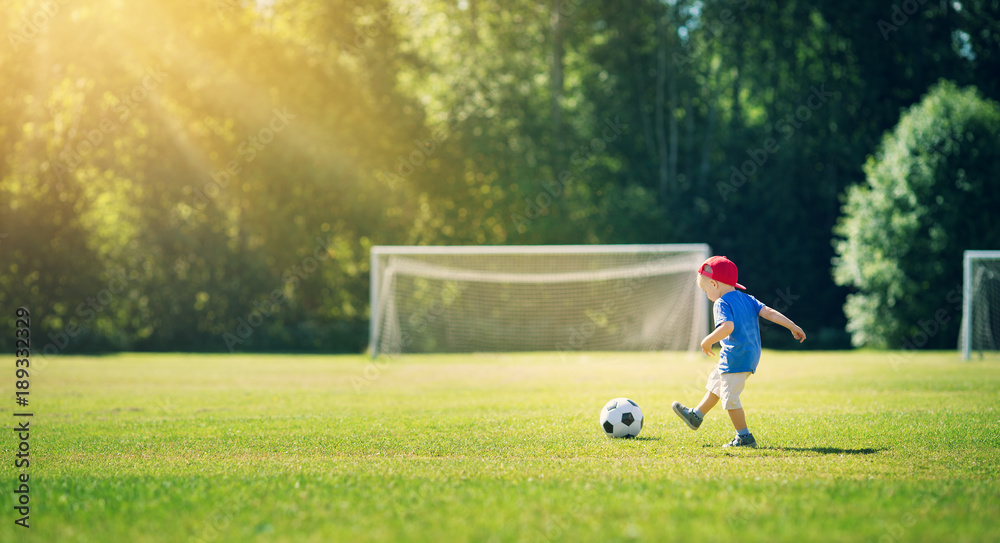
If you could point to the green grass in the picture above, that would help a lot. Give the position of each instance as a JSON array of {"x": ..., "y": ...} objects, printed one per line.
[{"x": 855, "y": 447}]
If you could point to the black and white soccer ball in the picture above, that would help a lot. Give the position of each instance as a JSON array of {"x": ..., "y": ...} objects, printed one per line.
[{"x": 621, "y": 417}]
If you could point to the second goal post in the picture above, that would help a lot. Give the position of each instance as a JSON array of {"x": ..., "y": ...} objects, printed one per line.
[
  {"x": 536, "y": 298},
  {"x": 980, "y": 302}
]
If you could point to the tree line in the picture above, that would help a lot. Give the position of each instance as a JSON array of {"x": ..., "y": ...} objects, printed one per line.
[{"x": 197, "y": 175}]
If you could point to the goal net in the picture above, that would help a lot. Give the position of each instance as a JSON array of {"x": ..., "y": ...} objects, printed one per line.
[
  {"x": 980, "y": 302},
  {"x": 536, "y": 298}
]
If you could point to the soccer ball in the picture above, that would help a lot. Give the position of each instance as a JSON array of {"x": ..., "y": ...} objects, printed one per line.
[{"x": 621, "y": 417}]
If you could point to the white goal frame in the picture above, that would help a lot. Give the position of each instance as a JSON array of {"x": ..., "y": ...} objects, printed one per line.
[
  {"x": 966, "y": 332},
  {"x": 700, "y": 328}
]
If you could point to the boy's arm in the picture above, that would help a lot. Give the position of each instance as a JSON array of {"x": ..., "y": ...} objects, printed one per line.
[
  {"x": 716, "y": 336},
  {"x": 777, "y": 318}
]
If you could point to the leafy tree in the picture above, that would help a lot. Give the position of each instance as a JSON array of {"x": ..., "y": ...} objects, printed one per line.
[
  {"x": 433, "y": 122},
  {"x": 117, "y": 164},
  {"x": 931, "y": 192}
]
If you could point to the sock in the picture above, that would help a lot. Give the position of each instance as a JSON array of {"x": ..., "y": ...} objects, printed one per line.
[
  {"x": 698, "y": 412},
  {"x": 743, "y": 432}
]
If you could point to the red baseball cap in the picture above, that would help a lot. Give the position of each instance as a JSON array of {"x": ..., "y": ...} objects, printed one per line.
[{"x": 721, "y": 269}]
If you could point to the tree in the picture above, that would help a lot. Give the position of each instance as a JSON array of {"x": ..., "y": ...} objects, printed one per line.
[
  {"x": 201, "y": 174},
  {"x": 437, "y": 122},
  {"x": 930, "y": 193}
]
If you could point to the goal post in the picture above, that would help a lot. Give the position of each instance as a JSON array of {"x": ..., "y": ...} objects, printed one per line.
[
  {"x": 536, "y": 298},
  {"x": 980, "y": 302}
]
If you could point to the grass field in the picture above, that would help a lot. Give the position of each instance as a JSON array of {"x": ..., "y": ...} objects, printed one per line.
[{"x": 858, "y": 446}]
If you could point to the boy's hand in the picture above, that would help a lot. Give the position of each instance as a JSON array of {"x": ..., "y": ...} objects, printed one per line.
[
  {"x": 706, "y": 347},
  {"x": 721, "y": 332},
  {"x": 798, "y": 334}
]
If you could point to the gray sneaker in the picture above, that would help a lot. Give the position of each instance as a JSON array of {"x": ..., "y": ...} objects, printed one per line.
[
  {"x": 688, "y": 415},
  {"x": 743, "y": 441}
]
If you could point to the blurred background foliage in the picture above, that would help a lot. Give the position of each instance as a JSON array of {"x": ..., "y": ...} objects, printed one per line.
[
  {"x": 210, "y": 174},
  {"x": 931, "y": 192}
]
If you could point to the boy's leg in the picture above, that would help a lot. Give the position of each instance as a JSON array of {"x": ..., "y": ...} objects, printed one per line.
[
  {"x": 743, "y": 436},
  {"x": 694, "y": 417},
  {"x": 708, "y": 402},
  {"x": 739, "y": 419},
  {"x": 731, "y": 389}
]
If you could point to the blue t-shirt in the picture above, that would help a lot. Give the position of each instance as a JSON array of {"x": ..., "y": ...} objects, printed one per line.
[{"x": 741, "y": 348}]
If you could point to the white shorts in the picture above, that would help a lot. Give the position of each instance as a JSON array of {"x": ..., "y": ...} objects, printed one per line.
[{"x": 727, "y": 386}]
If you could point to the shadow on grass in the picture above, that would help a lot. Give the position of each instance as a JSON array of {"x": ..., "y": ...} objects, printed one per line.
[
  {"x": 820, "y": 450},
  {"x": 826, "y": 450}
]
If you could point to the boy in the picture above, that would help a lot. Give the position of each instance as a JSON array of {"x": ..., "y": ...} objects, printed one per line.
[{"x": 736, "y": 326}]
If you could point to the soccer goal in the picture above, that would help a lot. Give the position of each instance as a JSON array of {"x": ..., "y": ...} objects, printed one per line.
[
  {"x": 536, "y": 298},
  {"x": 980, "y": 302}
]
